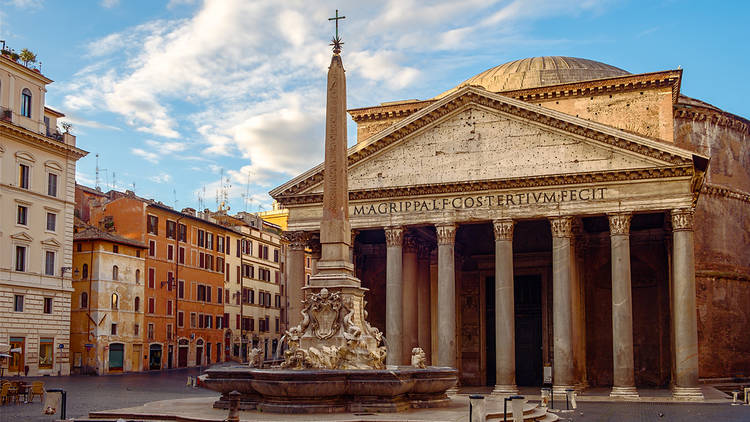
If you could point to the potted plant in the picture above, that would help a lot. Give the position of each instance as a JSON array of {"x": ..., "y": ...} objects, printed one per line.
[{"x": 27, "y": 57}]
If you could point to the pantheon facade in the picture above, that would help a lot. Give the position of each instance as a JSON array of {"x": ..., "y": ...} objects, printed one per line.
[{"x": 551, "y": 219}]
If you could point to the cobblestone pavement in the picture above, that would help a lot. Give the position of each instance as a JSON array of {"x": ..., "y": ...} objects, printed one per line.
[{"x": 89, "y": 393}]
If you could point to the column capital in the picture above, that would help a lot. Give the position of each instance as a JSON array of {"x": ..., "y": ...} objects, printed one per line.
[
  {"x": 619, "y": 223},
  {"x": 682, "y": 219},
  {"x": 446, "y": 233},
  {"x": 503, "y": 229},
  {"x": 410, "y": 244},
  {"x": 394, "y": 236},
  {"x": 297, "y": 239},
  {"x": 561, "y": 226}
]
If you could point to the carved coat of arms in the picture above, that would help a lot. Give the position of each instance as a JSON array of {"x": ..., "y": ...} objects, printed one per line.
[{"x": 324, "y": 310}]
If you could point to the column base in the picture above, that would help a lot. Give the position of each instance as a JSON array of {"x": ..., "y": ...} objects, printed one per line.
[
  {"x": 627, "y": 393},
  {"x": 505, "y": 390},
  {"x": 687, "y": 393},
  {"x": 560, "y": 391}
]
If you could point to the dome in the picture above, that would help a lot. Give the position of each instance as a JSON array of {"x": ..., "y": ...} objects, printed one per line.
[{"x": 539, "y": 71}]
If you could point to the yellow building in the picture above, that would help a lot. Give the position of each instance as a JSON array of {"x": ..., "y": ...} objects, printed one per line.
[
  {"x": 108, "y": 302},
  {"x": 277, "y": 216},
  {"x": 37, "y": 179}
]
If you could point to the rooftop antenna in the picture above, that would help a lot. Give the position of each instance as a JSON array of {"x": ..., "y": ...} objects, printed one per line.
[
  {"x": 246, "y": 196},
  {"x": 114, "y": 181},
  {"x": 225, "y": 186},
  {"x": 174, "y": 194},
  {"x": 133, "y": 187}
]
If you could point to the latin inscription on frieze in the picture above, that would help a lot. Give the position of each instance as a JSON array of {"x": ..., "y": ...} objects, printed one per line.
[{"x": 486, "y": 201}]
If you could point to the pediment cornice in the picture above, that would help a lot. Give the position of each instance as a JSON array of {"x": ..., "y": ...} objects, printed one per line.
[{"x": 467, "y": 96}]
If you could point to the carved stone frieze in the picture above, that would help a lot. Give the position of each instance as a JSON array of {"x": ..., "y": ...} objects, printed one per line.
[
  {"x": 446, "y": 233},
  {"x": 503, "y": 229},
  {"x": 394, "y": 236},
  {"x": 619, "y": 224},
  {"x": 561, "y": 226},
  {"x": 297, "y": 239},
  {"x": 682, "y": 219}
]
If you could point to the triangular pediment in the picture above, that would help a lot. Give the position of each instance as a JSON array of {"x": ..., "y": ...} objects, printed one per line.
[
  {"x": 474, "y": 136},
  {"x": 51, "y": 242},
  {"x": 21, "y": 236}
]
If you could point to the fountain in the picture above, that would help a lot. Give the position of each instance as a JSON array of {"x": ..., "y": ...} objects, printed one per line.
[{"x": 335, "y": 361}]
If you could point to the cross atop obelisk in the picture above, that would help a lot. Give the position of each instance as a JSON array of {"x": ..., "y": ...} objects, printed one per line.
[{"x": 336, "y": 41}]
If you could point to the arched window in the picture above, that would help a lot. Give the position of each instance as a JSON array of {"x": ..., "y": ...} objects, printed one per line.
[
  {"x": 26, "y": 102},
  {"x": 137, "y": 303},
  {"x": 115, "y": 301},
  {"x": 85, "y": 272},
  {"x": 84, "y": 299},
  {"x": 137, "y": 276},
  {"x": 115, "y": 272}
]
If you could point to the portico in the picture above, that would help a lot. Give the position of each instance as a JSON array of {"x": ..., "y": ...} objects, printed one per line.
[{"x": 491, "y": 231}]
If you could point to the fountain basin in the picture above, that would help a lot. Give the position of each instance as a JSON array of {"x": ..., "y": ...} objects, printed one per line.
[{"x": 330, "y": 390}]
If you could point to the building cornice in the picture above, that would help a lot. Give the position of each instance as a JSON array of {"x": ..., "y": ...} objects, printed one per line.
[
  {"x": 724, "y": 192},
  {"x": 24, "y": 135},
  {"x": 710, "y": 115},
  {"x": 501, "y": 184},
  {"x": 476, "y": 96},
  {"x": 26, "y": 71}
]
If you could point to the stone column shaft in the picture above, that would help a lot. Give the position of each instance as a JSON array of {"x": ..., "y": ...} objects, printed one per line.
[
  {"x": 296, "y": 277},
  {"x": 684, "y": 317},
  {"x": 562, "y": 371},
  {"x": 424, "y": 300},
  {"x": 394, "y": 295},
  {"x": 446, "y": 296},
  {"x": 505, "y": 317},
  {"x": 410, "y": 305},
  {"x": 622, "y": 308}
]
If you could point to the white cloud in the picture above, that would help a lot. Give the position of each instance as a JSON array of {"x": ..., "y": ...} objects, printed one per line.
[
  {"x": 166, "y": 147},
  {"x": 146, "y": 155},
  {"x": 161, "y": 178},
  {"x": 108, "y": 4},
  {"x": 31, "y": 4}
]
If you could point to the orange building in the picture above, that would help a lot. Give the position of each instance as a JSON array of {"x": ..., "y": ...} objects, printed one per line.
[{"x": 184, "y": 280}]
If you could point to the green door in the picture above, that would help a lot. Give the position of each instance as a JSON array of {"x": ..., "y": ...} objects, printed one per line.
[{"x": 116, "y": 356}]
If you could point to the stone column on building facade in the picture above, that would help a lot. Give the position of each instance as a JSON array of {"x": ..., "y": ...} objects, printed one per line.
[
  {"x": 352, "y": 249},
  {"x": 446, "y": 295},
  {"x": 562, "y": 372},
  {"x": 410, "y": 306},
  {"x": 622, "y": 308},
  {"x": 394, "y": 295},
  {"x": 505, "y": 330},
  {"x": 296, "y": 277},
  {"x": 578, "y": 305},
  {"x": 424, "y": 300},
  {"x": 315, "y": 249},
  {"x": 684, "y": 317}
]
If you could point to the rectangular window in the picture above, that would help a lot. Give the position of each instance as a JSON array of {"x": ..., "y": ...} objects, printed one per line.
[
  {"x": 180, "y": 319},
  {"x": 275, "y": 255},
  {"x": 26, "y": 103},
  {"x": 49, "y": 263},
  {"x": 46, "y": 347},
  {"x": 115, "y": 249},
  {"x": 226, "y": 296},
  {"x": 210, "y": 241},
  {"x": 192, "y": 320},
  {"x": 201, "y": 293},
  {"x": 51, "y": 184},
  {"x": 169, "y": 331},
  {"x": 202, "y": 260},
  {"x": 151, "y": 248},
  {"x": 23, "y": 176},
  {"x": 152, "y": 224},
  {"x": 201, "y": 235},
  {"x": 113, "y": 329},
  {"x": 239, "y": 248},
  {"x": 170, "y": 252},
  {"x": 136, "y": 329},
  {"x": 151, "y": 278},
  {"x": 208, "y": 293},
  {"x": 18, "y": 303},
  {"x": 170, "y": 280},
  {"x": 182, "y": 233},
  {"x": 47, "y": 305},
  {"x": 151, "y": 305},
  {"x": 200, "y": 321},
  {"x": 181, "y": 255},
  {"x": 220, "y": 243},
  {"x": 181, "y": 289},
  {"x": 229, "y": 244},
  {"x": 237, "y": 322},
  {"x": 20, "y": 258},
  {"x": 277, "y": 325},
  {"x": 171, "y": 229},
  {"x": 150, "y": 331},
  {"x": 23, "y": 215},
  {"x": 219, "y": 295},
  {"x": 169, "y": 307},
  {"x": 219, "y": 322}
]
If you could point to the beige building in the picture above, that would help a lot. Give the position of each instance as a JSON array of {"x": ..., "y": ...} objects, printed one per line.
[
  {"x": 254, "y": 285},
  {"x": 549, "y": 220},
  {"x": 37, "y": 182},
  {"x": 106, "y": 328}
]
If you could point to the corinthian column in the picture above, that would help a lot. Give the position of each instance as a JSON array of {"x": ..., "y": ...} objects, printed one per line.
[
  {"x": 424, "y": 300},
  {"x": 446, "y": 296},
  {"x": 296, "y": 277},
  {"x": 562, "y": 372},
  {"x": 505, "y": 331},
  {"x": 684, "y": 318},
  {"x": 394, "y": 295},
  {"x": 410, "y": 305},
  {"x": 622, "y": 308}
]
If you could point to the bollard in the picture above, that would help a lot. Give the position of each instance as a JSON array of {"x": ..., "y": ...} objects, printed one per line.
[
  {"x": 512, "y": 401},
  {"x": 546, "y": 393},
  {"x": 234, "y": 407},
  {"x": 735, "y": 393},
  {"x": 476, "y": 408},
  {"x": 747, "y": 396},
  {"x": 63, "y": 403},
  {"x": 516, "y": 403},
  {"x": 568, "y": 393}
]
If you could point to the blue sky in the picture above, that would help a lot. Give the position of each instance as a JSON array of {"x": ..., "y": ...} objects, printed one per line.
[{"x": 173, "y": 94}]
